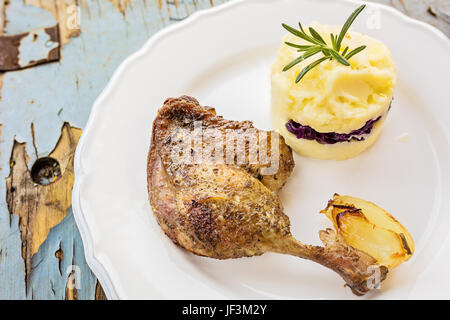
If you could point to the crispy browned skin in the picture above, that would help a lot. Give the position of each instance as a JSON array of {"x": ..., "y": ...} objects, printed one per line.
[{"x": 227, "y": 210}]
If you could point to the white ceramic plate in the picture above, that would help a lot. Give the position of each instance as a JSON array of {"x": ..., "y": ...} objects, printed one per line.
[{"x": 222, "y": 56}]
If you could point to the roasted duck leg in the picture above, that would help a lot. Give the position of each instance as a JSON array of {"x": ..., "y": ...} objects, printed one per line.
[{"x": 228, "y": 210}]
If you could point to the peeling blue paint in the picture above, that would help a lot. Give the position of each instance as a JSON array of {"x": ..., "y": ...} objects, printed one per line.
[
  {"x": 12, "y": 266},
  {"x": 49, "y": 275},
  {"x": 50, "y": 94}
]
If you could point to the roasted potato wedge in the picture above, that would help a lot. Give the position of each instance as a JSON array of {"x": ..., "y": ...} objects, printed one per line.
[{"x": 371, "y": 229}]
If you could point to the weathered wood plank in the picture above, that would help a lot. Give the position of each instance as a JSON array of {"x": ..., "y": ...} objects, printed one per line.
[
  {"x": 29, "y": 49},
  {"x": 434, "y": 12},
  {"x": 98, "y": 35},
  {"x": 13, "y": 284},
  {"x": 40, "y": 207},
  {"x": 2, "y": 24},
  {"x": 65, "y": 12},
  {"x": 2, "y": 15},
  {"x": 48, "y": 96},
  {"x": 120, "y": 5},
  {"x": 59, "y": 269}
]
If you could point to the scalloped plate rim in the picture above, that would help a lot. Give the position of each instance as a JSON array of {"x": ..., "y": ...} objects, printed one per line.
[{"x": 96, "y": 266}]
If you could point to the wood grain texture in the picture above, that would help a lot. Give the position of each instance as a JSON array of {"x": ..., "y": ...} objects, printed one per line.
[
  {"x": 39, "y": 207},
  {"x": 2, "y": 15},
  {"x": 48, "y": 97},
  {"x": 40, "y": 210},
  {"x": 65, "y": 12},
  {"x": 2, "y": 24},
  {"x": 41, "y": 252},
  {"x": 58, "y": 269},
  {"x": 434, "y": 12},
  {"x": 120, "y": 5}
]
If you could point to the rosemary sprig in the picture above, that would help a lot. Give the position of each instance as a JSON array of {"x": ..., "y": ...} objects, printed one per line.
[{"x": 318, "y": 44}]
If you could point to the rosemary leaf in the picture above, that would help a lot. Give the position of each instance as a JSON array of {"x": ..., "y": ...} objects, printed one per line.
[
  {"x": 293, "y": 63},
  {"x": 316, "y": 35},
  {"x": 306, "y": 55},
  {"x": 353, "y": 52},
  {"x": 318, "y": 44},
  {"x": 326, "y": 52},
  {"x": 308, "y": 68},
  {"x": 298, "y": 46},
  {"x": 333, "y": 41},
  {"x": 345, "y": 51},
  {"x": 300, "y": 26},
  {"x": 311, "y": 52},
  {"x": 347, "y": 25},
  {"x": 300, "y": 34},
  {"x": 339, "y": 58}
]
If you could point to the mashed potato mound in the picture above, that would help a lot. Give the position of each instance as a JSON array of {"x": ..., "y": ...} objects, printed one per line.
[{"x": 333, "y": 97}]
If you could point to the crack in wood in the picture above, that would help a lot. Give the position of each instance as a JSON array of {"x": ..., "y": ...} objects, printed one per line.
[
  {"x": 71, "y": 286},
  {"x": 59, "y": 254},
  {"x": 71, "y": 290},
  {"x": 40, "y": 207},
  {"x": 120, "y": 5},
  {"x": 404, "y": 5},
  {"x": 36, "y": 265},
  {"x": 434, "y": 12},
  {"x": 33, "y": 138},
  {"x": 52, "y": 287},
  {"x": 99, "y": 293}
]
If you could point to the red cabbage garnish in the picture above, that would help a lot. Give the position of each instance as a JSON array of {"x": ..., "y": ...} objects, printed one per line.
[{"x": 306, "y": 132}]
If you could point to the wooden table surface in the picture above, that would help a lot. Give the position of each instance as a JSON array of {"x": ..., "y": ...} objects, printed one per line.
[{"x": 43, "y": 110}]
